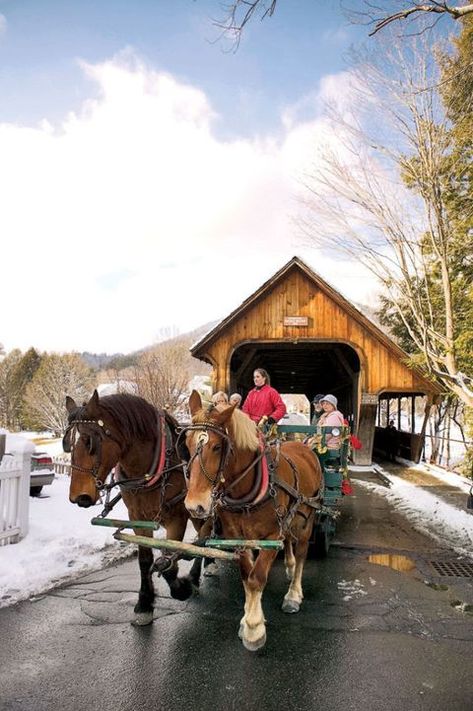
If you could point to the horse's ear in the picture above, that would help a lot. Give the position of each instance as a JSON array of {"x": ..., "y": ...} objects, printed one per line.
[
  {"x": 70, "y": 405},
  {"x": 223, "y": 416},
  {"x": 93, "y": 405},
  {"x": 195, "y": 402}
]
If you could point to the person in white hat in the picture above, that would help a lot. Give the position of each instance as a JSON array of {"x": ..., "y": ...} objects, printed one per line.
[{"x": 332, "y": 417}]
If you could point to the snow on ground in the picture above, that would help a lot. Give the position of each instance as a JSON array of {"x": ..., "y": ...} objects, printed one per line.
[
  {"x": 427, "y": 513},
  {"x": 444, "y": 475},
  {"x": 60, "y": 544}
]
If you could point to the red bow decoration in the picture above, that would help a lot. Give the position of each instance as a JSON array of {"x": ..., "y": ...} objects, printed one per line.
[
  {"x": 355, "y": 442},
  {"x": 347, "y": 489}
]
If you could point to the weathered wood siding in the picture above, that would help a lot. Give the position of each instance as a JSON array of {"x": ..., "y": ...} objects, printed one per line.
[{"x": 297, "y": 295}]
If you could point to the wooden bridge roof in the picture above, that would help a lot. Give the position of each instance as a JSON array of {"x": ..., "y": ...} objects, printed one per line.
[{"x": 229, "y": 327}]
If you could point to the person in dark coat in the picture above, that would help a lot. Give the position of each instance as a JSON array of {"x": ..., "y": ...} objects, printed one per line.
[
  {"x": 392, "y": 441},
  {"x": 318, "y": 410}
]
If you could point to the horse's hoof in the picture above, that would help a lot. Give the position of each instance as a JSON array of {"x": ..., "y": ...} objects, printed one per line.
[
  {"x": 240, "y": 631},
  {"x": 254, "y": 645},
  {"x": 290, "y": 606},
  {"x": 211, "y": 570},
  {"x": 181, "y": 589},
  {"x": 142, "y": 619}
]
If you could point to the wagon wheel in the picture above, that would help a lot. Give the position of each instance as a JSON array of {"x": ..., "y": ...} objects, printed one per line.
[{"x": 321, "y": 538}]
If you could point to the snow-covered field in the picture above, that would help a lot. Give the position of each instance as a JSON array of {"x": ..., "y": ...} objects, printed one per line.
[{"x": 62, "y": 544}]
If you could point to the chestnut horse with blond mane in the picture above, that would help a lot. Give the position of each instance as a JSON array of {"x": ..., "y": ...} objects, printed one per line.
[{"x": 257, "y": 491}]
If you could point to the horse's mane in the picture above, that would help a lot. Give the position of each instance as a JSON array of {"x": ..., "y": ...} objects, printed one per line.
[
  {"x": 242, "y": 429},
  {"x": 134, "y": 417}
]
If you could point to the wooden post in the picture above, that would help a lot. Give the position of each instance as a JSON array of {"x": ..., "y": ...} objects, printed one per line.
[
  {"x": 3, "y": 439},
  {"x": 366, "y": 430},
  {"x": 416, "y": 455}
]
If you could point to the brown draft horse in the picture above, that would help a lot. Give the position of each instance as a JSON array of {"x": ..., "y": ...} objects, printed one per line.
[
  {"x": 126, "y": 432},
  {"x": 228, "y": 480}
]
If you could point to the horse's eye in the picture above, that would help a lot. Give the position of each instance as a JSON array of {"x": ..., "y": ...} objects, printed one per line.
[{"x": 216, "y": 447}]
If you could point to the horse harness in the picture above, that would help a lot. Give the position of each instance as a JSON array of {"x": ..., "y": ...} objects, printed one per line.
[
  {"x": 261, "y": 491},
  {"x": 159, "y": 470}
]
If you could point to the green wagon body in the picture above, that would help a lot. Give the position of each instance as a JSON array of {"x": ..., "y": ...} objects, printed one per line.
[{"x": 334, "y": 464}]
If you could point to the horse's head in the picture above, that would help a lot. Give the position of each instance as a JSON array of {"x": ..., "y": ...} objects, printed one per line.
[
  {"x": 94, "y": 448},
  {"x": 215, "y": 439}
]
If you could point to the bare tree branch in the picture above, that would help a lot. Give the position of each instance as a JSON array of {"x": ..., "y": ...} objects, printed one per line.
[
  {"x": 377, "y": 195},
  {"x": 440, "y": 8}
]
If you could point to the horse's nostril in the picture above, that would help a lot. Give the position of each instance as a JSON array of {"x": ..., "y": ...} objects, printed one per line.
[
  {"x": 84, "y": 501},
  {"x": 200, "y": 511}
]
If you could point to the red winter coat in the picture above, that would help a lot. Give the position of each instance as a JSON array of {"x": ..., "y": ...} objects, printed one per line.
[{"x": 264, "y": 401}]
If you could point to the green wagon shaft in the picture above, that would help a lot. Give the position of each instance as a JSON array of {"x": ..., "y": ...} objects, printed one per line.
[{"x": 211, "y": 549}]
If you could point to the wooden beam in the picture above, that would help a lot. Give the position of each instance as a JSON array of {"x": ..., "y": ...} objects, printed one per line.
[
  {"x": 344, "y": 362},
  {"x": 247, "y": 360}
]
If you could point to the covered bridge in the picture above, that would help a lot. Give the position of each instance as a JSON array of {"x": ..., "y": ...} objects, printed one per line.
[{"x": 312, "y": 340}]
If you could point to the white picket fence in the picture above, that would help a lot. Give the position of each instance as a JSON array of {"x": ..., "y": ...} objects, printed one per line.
[
  {"x": 62, "y": 464},
  {"x": 14, "y": 497}
]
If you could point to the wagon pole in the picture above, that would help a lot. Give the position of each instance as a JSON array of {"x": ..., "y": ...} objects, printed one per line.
[
  {"x": 178, "y": 546},
  {"x": 209, "y": 547}
]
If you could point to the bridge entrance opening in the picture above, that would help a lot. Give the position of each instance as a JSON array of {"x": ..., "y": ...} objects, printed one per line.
[{"x": 308, "y": 368}]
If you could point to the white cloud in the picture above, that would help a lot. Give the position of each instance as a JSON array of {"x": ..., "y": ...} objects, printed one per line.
[
  {"x": 3, "y": 24},
  {"x": 132, "y": 216}
]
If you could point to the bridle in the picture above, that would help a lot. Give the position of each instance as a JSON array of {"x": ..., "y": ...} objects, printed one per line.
[
  {"x": 99, "y": 434},
  {"x": 157, "y": 475},
  {"x": 227, "y": 451},
  {"x": 202, "y": 440}
]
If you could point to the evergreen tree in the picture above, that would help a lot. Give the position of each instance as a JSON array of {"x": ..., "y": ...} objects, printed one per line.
[
  {"x": 10, "y": 397},
  {"x": 23, "y": 374},
  {"x": 457, "y": 96}
]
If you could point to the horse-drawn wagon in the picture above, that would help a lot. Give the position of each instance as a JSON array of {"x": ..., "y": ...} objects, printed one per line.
[{"x": 256, "y": 494}]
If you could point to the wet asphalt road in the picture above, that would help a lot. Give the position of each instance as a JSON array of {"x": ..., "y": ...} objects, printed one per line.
[{"x": 368, "y": 637}]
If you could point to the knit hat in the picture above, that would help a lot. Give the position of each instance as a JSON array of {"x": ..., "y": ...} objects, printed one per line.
[
  {"x": 331, "y": 399},
  {"x": 317, "y": 398}
]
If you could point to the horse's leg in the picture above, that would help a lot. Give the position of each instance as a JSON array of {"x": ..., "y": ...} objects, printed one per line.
[
  {"x": 144, "y": 607},
  {"x": 289, "y": 559},
  {"x": 254, "y": 628},
  {"x": 204, "y": 529},
  {"x": 246, "y": 562},
  {"x": 294, "y": 596},
  {"x": 180, "y": 588}
]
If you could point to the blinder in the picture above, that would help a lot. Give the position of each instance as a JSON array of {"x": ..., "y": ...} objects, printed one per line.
[
  {"x": 92, "y": 442},
  {"x": 202, "y": 439}
]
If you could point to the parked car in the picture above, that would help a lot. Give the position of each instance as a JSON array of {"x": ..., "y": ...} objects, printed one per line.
[
  {"x": 42, "y": 468},
  {"x": 42, "y": 472}
]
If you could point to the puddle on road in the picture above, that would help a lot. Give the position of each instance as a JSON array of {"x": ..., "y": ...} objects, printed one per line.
[{"x": 396, "y": 562}]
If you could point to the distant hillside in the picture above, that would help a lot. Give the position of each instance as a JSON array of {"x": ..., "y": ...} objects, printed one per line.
[{"x": 99, "y": 361}]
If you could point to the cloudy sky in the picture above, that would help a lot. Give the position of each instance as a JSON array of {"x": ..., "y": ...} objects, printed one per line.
[{"x": 149, "y": 177}]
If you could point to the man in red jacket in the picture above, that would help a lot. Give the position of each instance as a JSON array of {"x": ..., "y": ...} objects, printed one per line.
[{"x": 263, "y": 401}]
